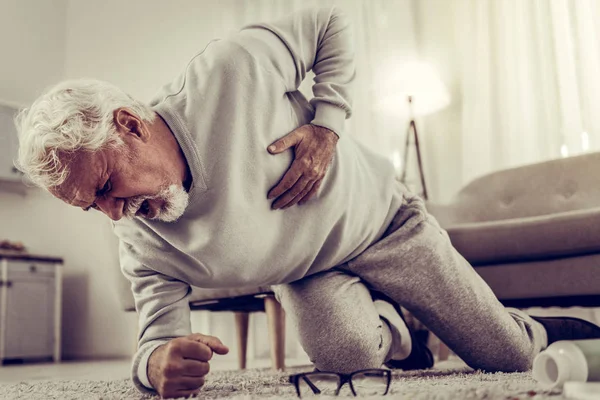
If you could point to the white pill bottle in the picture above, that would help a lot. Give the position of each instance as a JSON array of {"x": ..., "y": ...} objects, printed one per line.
[{"x": 568, "y": 361}]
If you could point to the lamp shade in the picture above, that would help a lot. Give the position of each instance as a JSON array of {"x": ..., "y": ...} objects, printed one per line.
[{"x": 418, "y": 80}]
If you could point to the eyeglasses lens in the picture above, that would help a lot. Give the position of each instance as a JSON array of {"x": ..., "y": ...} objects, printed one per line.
[
  {"x": 369, "y": 383},
  {"x": 318, "y": 384}
]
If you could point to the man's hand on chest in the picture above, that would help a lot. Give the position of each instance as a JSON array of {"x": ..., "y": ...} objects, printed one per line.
[{"x": 313, "y": 147}]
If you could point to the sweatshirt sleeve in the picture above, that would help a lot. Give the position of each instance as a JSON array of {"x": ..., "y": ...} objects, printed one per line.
[
  {"x": 318, "y": 39},
  {"x": 162, "y": 306}
]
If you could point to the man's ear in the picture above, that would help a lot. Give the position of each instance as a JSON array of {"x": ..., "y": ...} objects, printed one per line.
[{"x": 127, "y": 123}]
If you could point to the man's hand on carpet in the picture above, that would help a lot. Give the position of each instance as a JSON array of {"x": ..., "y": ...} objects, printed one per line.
[
  {"x": 314, "y": 147},
  {"x": 177, "y": 368}
]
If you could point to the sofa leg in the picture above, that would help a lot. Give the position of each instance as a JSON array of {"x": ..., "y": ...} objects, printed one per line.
[
  {"x": 241, "y": 322},
  {"x": 276, "y": 322}
]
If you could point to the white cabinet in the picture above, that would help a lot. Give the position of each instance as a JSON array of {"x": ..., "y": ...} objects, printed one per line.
[
  {"x": 30, "y": 309},
  {"x": 9, "y": 144}
]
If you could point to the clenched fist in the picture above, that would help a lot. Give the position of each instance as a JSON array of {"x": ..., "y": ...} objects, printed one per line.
[{"x": 177, "y": 368}]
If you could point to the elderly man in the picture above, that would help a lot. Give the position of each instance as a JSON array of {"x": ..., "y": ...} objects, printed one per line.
[{"x": 230, "y": 177}]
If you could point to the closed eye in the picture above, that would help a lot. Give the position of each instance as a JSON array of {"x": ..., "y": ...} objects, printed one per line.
[{"x": 105, "y": 189}]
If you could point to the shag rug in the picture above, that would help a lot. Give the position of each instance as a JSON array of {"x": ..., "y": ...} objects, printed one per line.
[{"x": 448, "y": 380}]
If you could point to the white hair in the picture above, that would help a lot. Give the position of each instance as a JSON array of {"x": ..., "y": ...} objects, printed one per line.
[{"x": 70, "y": 116}]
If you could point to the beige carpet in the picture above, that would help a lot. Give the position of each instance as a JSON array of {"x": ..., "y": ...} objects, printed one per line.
[{"x": 449, "y": 380}]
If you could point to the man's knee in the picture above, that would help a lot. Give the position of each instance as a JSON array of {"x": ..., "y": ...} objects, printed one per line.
[
  {"x": 520, "y": 361},
  {"x": 514, "y": 360},
  {"x": 348, "y": 355}
]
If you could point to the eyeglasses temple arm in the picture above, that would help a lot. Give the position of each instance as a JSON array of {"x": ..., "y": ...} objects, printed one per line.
[{"x": 311, "y": 385}]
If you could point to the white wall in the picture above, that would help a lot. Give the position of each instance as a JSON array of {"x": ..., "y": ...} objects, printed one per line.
[
  {"x": 139, "y": 45},
  {"x": 32, "y": 39},
  {"x": 32, "y": 47}
]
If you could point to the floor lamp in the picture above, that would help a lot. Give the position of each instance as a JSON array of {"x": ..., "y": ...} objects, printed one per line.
[
  {"x": 412, "y": 131},
  {"x": 421, "y": 85}
]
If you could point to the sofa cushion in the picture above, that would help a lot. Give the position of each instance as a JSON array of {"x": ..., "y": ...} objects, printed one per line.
[{"x": 540, "y": 237}]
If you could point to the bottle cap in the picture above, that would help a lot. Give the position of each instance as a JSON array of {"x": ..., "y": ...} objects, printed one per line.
[{"x": 551, "y": 369}]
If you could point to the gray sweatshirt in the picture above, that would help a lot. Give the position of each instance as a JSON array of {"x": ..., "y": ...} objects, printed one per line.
[{"x": 235, "y": 98}]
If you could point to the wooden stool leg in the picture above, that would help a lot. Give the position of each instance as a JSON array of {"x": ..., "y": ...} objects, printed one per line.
[
  {"x": 241, "y": 322},
  {"x": 438, "y": 347},
  {"x": 443, "y": 352},
  {"x": 135, "y": 343},
  {"x": 276, "y": 322}
]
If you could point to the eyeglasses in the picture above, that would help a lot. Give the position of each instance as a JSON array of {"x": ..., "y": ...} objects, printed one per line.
[{"x": 362, "y": 383}]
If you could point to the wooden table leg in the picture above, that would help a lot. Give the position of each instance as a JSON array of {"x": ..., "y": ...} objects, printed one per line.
[
  {"x": 241, "y": 322},
  {"x": 276, "y": 322}
]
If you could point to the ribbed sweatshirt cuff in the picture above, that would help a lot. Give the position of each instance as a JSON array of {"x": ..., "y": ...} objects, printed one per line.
[
  {"x": 139, "y": 369},
  {"x": 330, "y": 116}
]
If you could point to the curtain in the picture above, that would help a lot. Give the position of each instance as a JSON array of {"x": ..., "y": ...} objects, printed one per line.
[{"x": 529, "y": 73}]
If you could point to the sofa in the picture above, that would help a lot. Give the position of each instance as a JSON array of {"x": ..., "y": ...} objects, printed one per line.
[{"x": 532, "y": 232}]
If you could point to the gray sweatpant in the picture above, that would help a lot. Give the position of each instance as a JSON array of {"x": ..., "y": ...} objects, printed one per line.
[{"x": 414, "y": 264}]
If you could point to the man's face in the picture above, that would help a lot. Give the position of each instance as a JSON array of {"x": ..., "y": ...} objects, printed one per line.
[{"x": 137, "y": 179}]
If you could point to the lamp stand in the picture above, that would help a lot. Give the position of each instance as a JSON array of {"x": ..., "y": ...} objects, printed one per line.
[{"x": 412, "y": 131}]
